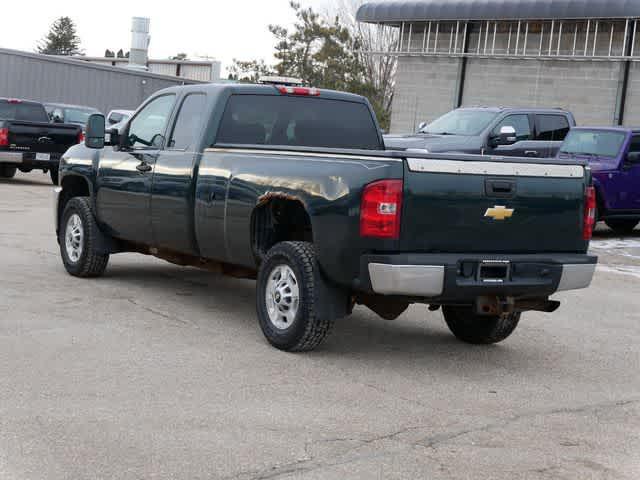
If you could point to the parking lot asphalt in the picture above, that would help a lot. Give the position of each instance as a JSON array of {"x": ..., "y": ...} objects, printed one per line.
[{"x": 160, "y": 372}]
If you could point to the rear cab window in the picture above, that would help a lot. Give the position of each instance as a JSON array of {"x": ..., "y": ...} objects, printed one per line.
[
  {"x": 552, "y": 128},
  {"x": 298, "y": 122},
  {"x": 23, "y": 111}
]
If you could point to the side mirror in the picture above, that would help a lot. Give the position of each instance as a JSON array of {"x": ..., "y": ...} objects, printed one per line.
[
  {"x": 633, "y": 158},
  {"x": 94, "y": 135},
  {"x": 57, "y": 116},
  {"x": 422, "y": 125},
  {"x": 507, "y": 136}
]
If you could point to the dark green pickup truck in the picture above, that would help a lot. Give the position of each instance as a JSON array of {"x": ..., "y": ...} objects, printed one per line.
[{"x": 293, "y": 187}]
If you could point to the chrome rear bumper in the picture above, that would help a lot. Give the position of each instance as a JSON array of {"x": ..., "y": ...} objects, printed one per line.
[
  {"x": 528, "y": 275},
  {"x": 11, "y": 157}
]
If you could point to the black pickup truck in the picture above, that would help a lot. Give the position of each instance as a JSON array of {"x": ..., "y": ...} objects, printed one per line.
[
  {"x": 293, "y": 187},
  {"x": 29, "y": 142},
  {"x": 518, "y": 132}
]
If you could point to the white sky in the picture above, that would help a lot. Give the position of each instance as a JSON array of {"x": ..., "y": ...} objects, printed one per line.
[{"x": 224, "y": 29}]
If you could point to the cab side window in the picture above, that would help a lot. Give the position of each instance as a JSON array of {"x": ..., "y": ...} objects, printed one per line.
[
  {"x": 521, "y": 124},
  {"x": 552, "y": 128},
  {"x": 187, "y": 126},
  {"x": 147, "y": 129},
  {"x": 635, "y": 144}
]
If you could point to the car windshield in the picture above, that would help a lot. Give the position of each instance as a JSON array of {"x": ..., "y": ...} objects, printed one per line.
[
  {"x": 590, "y": 142},
  {"x": 461, "y": 122},
  {"x": 77, "y": 115}
]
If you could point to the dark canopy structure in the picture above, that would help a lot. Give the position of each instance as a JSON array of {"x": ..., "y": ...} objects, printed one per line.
[{"x": 427, "y": 10}]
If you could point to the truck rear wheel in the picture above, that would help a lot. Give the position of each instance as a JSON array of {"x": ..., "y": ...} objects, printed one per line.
[
  {"x": 7, "y": 171},
  {"x": 623, "y": 227},
  {"x": 476, "y": 329},
  {"x": 77, "y": 239},
  {"x": 286, "y": 298}
]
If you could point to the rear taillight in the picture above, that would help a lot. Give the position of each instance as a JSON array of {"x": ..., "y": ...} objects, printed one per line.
[
  {"x": 4, "y": 137},
  {"x": 381, "y": 209},
  {"x": 302, "y": 91},
  {"x": 81, "y": 137},
  {"x": 589, "y": 213}
]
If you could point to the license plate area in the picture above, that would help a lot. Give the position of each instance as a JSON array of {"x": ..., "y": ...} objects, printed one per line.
[
  {"x": 494, "y": 271},
  {"x": 44, "y": 157}
]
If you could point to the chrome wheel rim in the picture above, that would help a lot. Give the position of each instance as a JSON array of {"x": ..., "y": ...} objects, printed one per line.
[
  {"x": 73, "y": 238},
  {"x": 282, "y": 297}
]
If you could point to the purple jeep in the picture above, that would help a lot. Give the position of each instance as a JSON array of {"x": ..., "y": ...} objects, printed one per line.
[{"x": 614, "y": 156}]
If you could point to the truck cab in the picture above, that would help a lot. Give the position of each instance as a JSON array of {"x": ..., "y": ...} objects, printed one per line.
[
  {"x": 613, "y": 154},
  {"x": 513, "y": 132}
]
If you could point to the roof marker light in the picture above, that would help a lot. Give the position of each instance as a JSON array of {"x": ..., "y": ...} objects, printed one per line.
[{"x": 300, "y": 91}]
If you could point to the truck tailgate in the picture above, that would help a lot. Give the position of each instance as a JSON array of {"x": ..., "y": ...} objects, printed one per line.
[
  {"x": 42, "y": 137},
  {"x": 495, "y": 205}
]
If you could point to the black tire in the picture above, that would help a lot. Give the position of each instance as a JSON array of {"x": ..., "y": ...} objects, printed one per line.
[
  {"x": 476, "y": 329},
  {"x": 622, "y": 227},
  {"x": 53, "y": 173},
  {"x": 7, "y": 171},
  {"x": 90, "y": 263},
  {"x": 307, "y": 330}
]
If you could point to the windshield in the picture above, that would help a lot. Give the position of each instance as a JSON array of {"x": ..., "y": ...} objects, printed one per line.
[
  {"x": 461, "y": 122},
  {"x": 587, "y": 142},
  {"x": 77, "y": 115}
]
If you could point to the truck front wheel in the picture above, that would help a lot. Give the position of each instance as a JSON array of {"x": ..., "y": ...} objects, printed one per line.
[
  {"x": 622, "y": 227},
  {"x": 287, "y": 287},
  {"x": 476, "y": 329},
  {"x": 77, "y": 239}
]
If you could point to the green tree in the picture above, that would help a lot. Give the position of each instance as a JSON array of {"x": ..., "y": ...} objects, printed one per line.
[
  {"x": 322, "y": 52},
  {"x": 249, "y": 71},
  {"x": 62, "y": 39}
]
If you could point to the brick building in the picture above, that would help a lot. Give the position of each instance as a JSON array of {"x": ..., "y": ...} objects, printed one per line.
[{"x": 583, "y": 55}]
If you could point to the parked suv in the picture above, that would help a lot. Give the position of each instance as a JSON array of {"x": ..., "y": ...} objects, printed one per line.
[
  {"x": 519, "y": 132},
  {"x": 614, "y": 156}
]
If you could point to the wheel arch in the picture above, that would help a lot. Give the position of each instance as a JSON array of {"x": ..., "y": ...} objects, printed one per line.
[
  {"x": 72, "y": 186},
  {"x": 279, "y": 217}
]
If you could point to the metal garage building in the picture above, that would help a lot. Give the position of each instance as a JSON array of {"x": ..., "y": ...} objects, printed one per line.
[
  {"x": 583, "y": 55},
  {"x": 64, "y": 80}
]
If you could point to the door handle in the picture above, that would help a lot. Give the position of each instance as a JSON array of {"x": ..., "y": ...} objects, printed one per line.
[
  {"x": 531, "y": 153},
  {"x": 144, "y": 167}
]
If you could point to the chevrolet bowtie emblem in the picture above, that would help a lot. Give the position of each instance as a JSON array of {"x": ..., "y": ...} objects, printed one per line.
[{"x": 499, "y": 213}]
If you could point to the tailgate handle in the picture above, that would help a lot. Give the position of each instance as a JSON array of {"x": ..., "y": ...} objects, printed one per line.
[{"x": 500, "y": 188}]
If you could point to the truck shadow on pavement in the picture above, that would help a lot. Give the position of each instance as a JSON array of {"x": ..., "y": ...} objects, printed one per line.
[
  {"x": 22, "y": 182},
  {"x": 213, "y": 303},
  {"x": 610, "y": 234}
]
